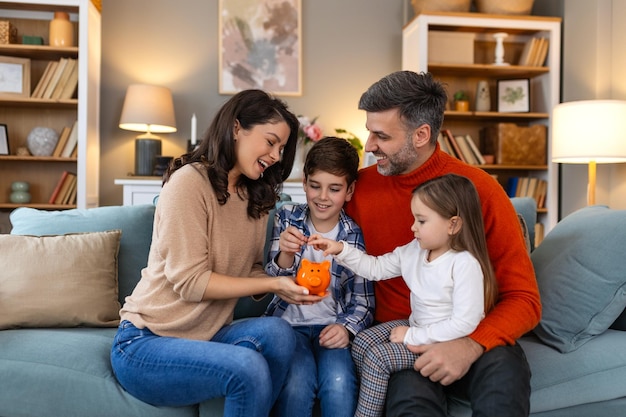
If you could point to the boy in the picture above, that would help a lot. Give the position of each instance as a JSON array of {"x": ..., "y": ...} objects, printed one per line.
[{"x": 322, "y": 367}]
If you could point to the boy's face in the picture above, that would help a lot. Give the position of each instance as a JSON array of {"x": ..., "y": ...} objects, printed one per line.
[{"x": 326, "y": 194}]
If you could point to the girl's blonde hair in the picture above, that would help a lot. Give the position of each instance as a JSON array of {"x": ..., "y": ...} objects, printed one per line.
[{"x": 454, "y": 195}]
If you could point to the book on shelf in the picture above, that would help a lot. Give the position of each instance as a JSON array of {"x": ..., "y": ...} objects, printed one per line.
[
  {"x": 55, "y": 78},
  {"x": 528, "y": 187},
  {"x": 443, "y": 144},
  {"x": 539, "y": 232},
  {"x": 454, "y": 145},
  {"x": 43, "y": 81},
  {"x": 468, "y": 156},
  {"x": 70, "y": 86},
  {"x": 70, "y": 178},
  {"x": 57, "y": 188},
  {"x": 542, "y": 52},
  {"x": 535, "y": 52},
  {"x": 72, "y": 141},
  {"x": 63, "y": 79},
  {"x": 527, "y": 52},
  {"x": 477, "y": 153},
  {"x": 65, "y": 134},
  {"x": 71, "y": 190}
]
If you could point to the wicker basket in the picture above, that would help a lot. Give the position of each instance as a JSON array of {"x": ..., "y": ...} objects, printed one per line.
[
  {"x": 8, "y": 32},
  {"x": 420, "y": 6},
  {"x": 516, "y": 7}
]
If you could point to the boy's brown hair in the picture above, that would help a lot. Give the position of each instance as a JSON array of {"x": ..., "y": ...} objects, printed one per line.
[{"x": 335, "y": 156}]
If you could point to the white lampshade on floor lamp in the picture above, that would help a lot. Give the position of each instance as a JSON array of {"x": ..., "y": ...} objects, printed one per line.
[
  {"x": 589, "y": 132},
  {"x": 150, "y": 109}
]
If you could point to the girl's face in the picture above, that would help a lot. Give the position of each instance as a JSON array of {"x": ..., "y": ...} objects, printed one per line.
[
  {"x": 431, "y": 229},
  {"x": 258, "y": 148}
]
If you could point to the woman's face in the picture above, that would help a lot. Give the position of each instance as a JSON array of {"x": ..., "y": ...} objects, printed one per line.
[{"x": 258, "y": 148}]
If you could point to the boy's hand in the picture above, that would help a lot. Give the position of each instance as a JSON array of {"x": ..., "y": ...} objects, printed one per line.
[
  {"x": 334, "y": 336},
  {"x": 291, "y": 240},
  {"x": 398, "y": 333},
  {"x": 329, "y": 246}
]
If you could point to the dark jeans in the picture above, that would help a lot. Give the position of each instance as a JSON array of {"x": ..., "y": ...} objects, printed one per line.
[{"x": 497, "y": 384}]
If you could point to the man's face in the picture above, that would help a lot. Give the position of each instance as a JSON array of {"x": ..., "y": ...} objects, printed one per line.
[{"x": 390, "y": 143}]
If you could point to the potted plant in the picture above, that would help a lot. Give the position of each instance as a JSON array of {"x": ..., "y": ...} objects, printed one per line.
[{"x": 461, "y": 101}]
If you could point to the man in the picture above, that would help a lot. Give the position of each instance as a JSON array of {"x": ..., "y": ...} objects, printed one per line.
[{"x": 404, "y": 115}]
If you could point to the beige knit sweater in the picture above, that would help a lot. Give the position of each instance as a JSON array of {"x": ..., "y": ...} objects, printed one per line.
[{"x": 193, "y": 236}]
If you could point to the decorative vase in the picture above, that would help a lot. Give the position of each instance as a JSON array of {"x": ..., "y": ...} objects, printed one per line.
[
  {"x": 483, "y": 98},
  {"x": 516, "y": 7},
  {"x": 61, "y": 30},
  {"x": 461, "y": 105},
  {"x": 19, "y": 192},
  {"x": 500, "y": 48},
  {"x": 41, "y": 141},
  {"x": 297, "y": 172}
]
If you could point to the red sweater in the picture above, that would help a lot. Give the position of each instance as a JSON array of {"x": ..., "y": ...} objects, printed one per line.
[{"x": 381, "y": 206}]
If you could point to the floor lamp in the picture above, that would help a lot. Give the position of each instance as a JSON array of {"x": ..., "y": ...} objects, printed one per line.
[
  {"x": 589, "y": 132},
  {"x": 149, "y": 109}
]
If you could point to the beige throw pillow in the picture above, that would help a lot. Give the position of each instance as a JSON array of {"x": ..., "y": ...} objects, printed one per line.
[{"x": 59, "y": 281}]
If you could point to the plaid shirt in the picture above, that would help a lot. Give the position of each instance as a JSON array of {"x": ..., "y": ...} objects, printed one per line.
[{"x": 354, "y": 295}]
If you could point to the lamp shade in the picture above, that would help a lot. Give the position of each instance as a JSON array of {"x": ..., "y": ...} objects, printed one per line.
[
  {"x": 589, "y": 131},
  {"x": 148, "y": 108}
]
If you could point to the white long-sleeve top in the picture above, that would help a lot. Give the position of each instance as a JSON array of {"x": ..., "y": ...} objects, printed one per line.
[{"x": 447, "y": 298}]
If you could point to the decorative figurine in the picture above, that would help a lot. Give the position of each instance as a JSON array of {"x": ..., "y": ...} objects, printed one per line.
[{"x": 314, "y": 275}]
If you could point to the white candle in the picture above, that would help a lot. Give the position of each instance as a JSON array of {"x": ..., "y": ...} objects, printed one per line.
[{"x": 193, "y": 129}]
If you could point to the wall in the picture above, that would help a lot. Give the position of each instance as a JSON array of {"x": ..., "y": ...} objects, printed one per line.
[{"x": 347, "y": 45}]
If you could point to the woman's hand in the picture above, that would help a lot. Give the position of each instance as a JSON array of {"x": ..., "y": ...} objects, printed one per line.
[
  {"x": 293, "y": 293},
  {"x": 329, "y": 246}
]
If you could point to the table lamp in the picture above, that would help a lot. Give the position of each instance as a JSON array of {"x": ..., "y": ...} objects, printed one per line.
[
  {"x": 589, "y": 132},
  {"x": 149, "y": 109}
]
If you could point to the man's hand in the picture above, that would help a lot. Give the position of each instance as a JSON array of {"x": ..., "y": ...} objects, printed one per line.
[
  {"x": 446, "y": 362},
  {"x": 334, "y": 336}
]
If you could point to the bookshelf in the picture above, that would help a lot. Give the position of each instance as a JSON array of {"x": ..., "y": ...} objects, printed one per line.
[
  {"x": 22, "y": 114},
  {"x": 475, "y": 32}
]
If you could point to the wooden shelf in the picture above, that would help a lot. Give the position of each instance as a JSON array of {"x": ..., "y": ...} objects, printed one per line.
[
  {"x": 43, "y": 52},
  {"x": 30, "y": 158},
  {"x": 40, "y": 206},
  {"x": 487, "y": 70},
  {"x": 489, "y": 115},
  {"x": 39, "y": 103}
]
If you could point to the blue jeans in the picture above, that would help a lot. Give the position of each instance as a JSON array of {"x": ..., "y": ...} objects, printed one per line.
[
  {"x": 318, "y": 372},
  {"x": 497, "y": 384},
  {"x": 246, "y": 362}
]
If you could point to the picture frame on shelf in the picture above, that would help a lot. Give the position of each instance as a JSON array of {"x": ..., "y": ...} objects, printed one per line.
[
  {"x": 4, "y": 140},
  {"x": 260, "y": 46},
  {"x": 513, "y": 95},
  {"x": 14, "y": 77}
]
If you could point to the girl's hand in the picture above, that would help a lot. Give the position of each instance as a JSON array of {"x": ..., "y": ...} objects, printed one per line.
[
  {"x": 293, "y": 293},
  {"x": 329, "y": 246},
  {"x": 398, "y": 333}
]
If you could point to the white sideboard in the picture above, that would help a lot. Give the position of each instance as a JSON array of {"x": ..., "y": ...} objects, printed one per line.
[
  {"x": 140, "y": 190},
  {"x": 143, "y": 190}
]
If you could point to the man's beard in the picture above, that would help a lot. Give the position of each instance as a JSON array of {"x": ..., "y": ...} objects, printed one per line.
[{"x": 400, "y": 162}]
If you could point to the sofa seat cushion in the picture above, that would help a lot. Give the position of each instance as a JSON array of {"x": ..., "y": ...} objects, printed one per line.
[
  {"x": 581, "y": 277},
  {"x": 69, "y": 374},
  {"x": 593, "y": 373},
  {"x": 135, "y": 222}
]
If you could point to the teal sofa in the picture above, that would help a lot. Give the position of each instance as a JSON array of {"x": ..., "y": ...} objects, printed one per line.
[{"x": 66, "y": 371}]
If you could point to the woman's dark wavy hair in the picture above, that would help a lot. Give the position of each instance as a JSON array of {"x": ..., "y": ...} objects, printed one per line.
[{"x": 216, "y": 150}]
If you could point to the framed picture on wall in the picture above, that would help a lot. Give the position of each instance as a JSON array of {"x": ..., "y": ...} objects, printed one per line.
[
  {"x": 14, "y": 77},
  {"x": 514, "y": 96},
  {"x": 260, "y": 44},
  {"x": 4, "y": 140}
]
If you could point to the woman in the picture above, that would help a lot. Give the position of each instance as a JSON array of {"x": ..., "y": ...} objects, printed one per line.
[{"x": 176, "y": 344}]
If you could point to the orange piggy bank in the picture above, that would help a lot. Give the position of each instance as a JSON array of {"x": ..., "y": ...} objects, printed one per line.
[{"x": 314, "y": 275}]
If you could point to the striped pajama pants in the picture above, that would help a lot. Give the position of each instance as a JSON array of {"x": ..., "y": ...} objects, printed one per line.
[{"x": 376, "y": 358}]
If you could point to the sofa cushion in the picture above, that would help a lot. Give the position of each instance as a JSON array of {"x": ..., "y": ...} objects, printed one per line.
[
  {"x": 135, "y": 222},
  {"x": 59, "y": 281},
  {"x": 581, "y": 276}
]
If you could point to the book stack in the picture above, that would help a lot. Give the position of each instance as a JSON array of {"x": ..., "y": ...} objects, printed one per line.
[
  {"x": 65, "y": 190},
  {"x": 67, "y": 147},
  {"x": 462, "y": 147},
  {"x": 59, "y": 80},
  {"x": 528, "y": 187},
  {"x": 535, "y": 52}
]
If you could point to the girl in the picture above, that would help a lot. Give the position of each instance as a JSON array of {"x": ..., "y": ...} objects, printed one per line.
[
  {"x": 176, "y": 344},
  {"x": 447, "y": 270}
]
